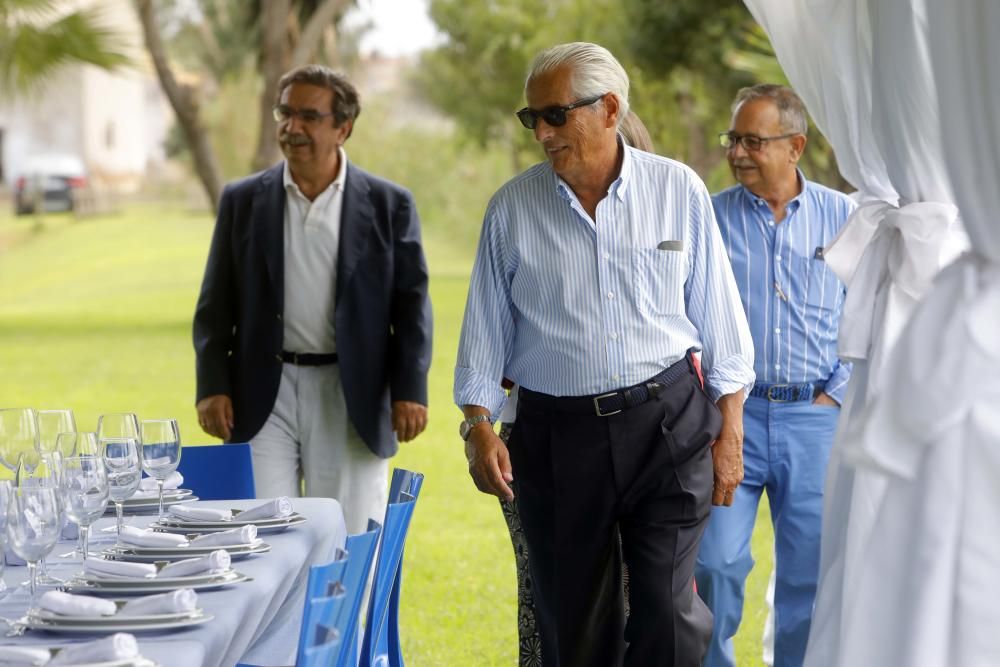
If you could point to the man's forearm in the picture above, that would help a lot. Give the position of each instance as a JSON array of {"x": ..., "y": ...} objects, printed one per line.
[{"x": 731, "y": 407}]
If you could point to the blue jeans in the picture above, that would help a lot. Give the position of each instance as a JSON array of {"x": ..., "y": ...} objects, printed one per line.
[{"x": 786, "y": 448}]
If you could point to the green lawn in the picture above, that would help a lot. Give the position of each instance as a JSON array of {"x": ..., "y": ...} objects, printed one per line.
[{"x": 95, "y": 315}]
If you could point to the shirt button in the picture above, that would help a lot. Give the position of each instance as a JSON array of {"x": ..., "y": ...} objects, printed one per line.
[
  {"x": 611, "y": 295},
  {"x": 777, "y": 330},
  {"x": 777, "y": 367},
  {"x": 616, "y": 377},
  {"x": 607, "y": 255},
  {"x": 771, "y": 222},
  {"x": 777, "y": 258},
  {"x": 614, "y": 335}
]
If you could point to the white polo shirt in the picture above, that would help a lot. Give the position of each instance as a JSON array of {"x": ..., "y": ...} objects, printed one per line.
[{"x": 312, "y": 236}]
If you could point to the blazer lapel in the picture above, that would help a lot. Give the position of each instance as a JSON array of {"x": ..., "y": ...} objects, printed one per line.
[
  {"x": 356, "y": 218},
  {"x": 268, "y": 223}
]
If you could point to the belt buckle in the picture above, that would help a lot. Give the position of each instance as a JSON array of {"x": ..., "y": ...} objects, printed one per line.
[
  {"x": 597, "y": 405},
  {"x": 774, "y": 399}
]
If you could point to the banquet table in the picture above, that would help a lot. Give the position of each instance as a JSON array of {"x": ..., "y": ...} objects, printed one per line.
[{"x": 255, "y": 621}]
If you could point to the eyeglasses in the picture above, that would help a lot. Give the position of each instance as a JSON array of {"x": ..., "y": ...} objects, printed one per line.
[
  {"x": 749, "y": 141},
  {"x": 554, "y": 115},
  {"x": 283, "y": 113}
]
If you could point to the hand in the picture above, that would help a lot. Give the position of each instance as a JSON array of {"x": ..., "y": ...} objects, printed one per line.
[
  {"x": 489, "y": 462},
  {"x": 727, "y": 460},
  {"x": 409, "y": 419},
  {"x": 825, "y": 399},
  {"x": 215, "y": 415}
]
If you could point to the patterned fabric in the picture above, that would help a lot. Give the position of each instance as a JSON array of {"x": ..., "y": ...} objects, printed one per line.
[
  {"x": 630, "y": 292},
  {"x": 529, "y": 643}
]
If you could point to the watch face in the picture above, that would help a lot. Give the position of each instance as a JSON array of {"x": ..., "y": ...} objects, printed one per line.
[{"x": 463, "y": 429}]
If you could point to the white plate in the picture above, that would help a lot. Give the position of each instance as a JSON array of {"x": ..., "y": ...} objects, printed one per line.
[
  {"x": 51, "y": 617},
  {"x": 168, "y": 494},
  {"x": 116, "y": 624},
  {"x": 128, "y": 585},
  {"x": 174, "y": 525},
  {"x": 147, "y": 505},
  {"x": 130, "y": 662},
  {"x": 153, "y": 554}
]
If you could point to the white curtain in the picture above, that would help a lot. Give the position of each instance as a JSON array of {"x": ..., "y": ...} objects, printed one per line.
[{"x": 863, "y": 68}]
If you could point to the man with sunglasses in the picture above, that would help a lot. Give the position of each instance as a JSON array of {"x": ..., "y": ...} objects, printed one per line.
[
  {"x": 775, "y": 224},
  {"x": 313, "y": 329},
  {"x": 600, "y": 272}
]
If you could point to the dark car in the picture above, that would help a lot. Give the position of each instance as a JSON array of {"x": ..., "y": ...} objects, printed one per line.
[{"x": 49, "y": 182}]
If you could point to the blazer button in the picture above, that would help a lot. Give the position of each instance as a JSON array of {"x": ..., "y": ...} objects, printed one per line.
[{"x": 279, "y": 317}]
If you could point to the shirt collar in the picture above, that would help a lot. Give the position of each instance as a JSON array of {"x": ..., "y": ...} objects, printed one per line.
[
  {"x": 617, "y": 187},
  {"x": 337, "y": 185},
  {"x": 793, "y": 204}
]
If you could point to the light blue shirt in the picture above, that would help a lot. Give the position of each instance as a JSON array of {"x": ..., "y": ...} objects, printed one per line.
[
  {"x": 791, "y": 297},
  {"x": 569, "y": 306}
]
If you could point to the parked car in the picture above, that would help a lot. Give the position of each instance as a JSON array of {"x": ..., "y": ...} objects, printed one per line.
[{"x": 52, "y": 181}]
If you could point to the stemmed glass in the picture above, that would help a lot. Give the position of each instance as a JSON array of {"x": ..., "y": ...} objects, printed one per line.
[
  {"x": 86, "y": 492},
  {"x": 50, "y": 424},
  {"x": 18, "y": 435},
  {"x": 118, "y": 425},
  {"x": 43, "y": 471},
  {"x": 161, "y": 451},
  {"x": 121, "y": 460},
  {"x": 5, "y": 491},
  {"x": 33, "y": 527}
]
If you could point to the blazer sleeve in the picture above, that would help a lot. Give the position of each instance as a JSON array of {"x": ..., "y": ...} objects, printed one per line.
[
  {"x": 215, "y": 314},
  {"x": 411, "y": 320}
]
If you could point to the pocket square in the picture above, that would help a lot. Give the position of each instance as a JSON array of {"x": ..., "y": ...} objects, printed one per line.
[{"x": 671, "y": 245}]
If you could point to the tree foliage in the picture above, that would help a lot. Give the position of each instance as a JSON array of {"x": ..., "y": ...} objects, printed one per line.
[{"x": 37, "y": 38}]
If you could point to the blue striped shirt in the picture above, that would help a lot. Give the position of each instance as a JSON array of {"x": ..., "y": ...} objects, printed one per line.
[
  {"x": 567, "y": 307},
  {"x": 791, "y": 297}
]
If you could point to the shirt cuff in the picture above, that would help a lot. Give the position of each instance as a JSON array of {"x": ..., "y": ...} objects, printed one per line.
[
  {"x": 474, "y": 388},
  {"x": 836, "y": 386},
  {"x": 729, "y": 376}
]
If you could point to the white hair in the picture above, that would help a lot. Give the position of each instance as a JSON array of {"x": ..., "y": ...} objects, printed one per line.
[{"x": 594, "y": 71}]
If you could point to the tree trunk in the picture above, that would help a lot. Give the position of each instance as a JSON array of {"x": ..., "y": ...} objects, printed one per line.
[{"x": 184, "y": 100}]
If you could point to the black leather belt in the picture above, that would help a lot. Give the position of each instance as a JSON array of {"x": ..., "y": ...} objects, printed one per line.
[
  {"x": 308, "y": 358},
  {"x": 787, "y": 393},
  {"x": 613, "y": 402}
]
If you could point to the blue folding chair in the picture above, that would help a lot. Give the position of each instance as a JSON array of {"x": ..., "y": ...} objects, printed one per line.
[
  {"x": 380, "y": 645},
  {"x": 218, "y": 472}
]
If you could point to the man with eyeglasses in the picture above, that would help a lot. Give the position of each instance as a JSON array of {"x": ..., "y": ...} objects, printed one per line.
[
  {"x": 313, "y": 329},
  {"x": 775, "y": 224},
  {"x": 600, "y": 273}
]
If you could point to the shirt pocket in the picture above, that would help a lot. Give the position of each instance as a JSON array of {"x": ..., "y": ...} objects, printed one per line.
[
  {"x": 659, "y": 277},
  {"x": 822, "y": 285}
]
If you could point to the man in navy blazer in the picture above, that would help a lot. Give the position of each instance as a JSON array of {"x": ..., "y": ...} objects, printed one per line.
[{"x": 313, "y": 328}]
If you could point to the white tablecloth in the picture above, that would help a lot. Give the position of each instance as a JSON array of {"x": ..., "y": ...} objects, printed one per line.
[{"x": 255, "y": 621}]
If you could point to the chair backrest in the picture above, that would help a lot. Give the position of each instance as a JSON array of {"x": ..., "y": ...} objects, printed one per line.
[
  {"x": 324, "y": 596},
  {"x": 381, "y": 639},
  {"x": 218, "y": 472},
  {"x": 361, "y": 549},
  {"x": 320, "y": 641}
]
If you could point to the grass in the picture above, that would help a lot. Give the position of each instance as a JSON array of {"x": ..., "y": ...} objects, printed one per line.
[{"x": 95, "y": 314}]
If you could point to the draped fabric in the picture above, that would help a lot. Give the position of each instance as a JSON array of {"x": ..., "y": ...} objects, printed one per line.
[{"x": 904, "y": 91}]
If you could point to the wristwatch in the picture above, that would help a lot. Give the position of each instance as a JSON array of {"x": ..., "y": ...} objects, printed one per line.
[{"x": 465, "y": 428}]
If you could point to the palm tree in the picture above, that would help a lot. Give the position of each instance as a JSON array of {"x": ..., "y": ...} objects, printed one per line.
[{"x": 38, "y": 37}]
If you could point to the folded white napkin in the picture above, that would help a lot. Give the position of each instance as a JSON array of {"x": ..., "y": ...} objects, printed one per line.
[
  {"x": 174, "y": 602},
  {"x": 192, "y": 513},
  {"x": 272, "y": 509},
  {"x": 119, "y": 568},
  {"x": 217, "y": 561},
  {"x": 243, "y": 535},
  {"x": 68, "y": 604},
  {"x": 173, "y": 481},
  {"x": 119, "y": 646},
  {"x": 23, "y": 656},
  {"x": 150, "y": 538}
]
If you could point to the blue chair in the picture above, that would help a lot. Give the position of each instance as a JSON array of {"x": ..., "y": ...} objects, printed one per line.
[
  {"x": 218, "y": 472},
  {"x": 380, "y": 645},
  {"x": 361, "y": 549}
]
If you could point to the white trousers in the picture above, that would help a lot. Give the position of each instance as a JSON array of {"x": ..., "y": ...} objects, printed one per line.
[{"x": 308, "y": 438}]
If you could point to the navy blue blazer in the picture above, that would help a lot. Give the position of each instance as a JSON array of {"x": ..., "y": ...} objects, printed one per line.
[{"x": 382, "y": 314}]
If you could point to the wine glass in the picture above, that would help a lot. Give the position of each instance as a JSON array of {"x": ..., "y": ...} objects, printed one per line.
[
  {"x": 86, "y": 492},
  {"x": 118, "y": 425},
  {"x": 5, "y": 491},
  {"x": 43, "y": 471},
  {"x": 50, "y": 424},
  {"x": 161, "y": 451},
  {"x": 121, "y": 460},
  {"x": 33, "y": 527},
  {"x": 18, "y": 435}
]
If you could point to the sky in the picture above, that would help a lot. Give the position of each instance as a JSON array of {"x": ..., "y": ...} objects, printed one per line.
[{"x": 401, "y": 27}]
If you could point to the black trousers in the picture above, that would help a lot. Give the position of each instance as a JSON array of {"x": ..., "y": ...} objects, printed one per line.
[{"x": 647, "y": 471}]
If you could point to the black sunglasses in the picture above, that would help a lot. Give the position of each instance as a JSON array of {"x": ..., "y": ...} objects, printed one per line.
[{"x": 554, "y": 115}]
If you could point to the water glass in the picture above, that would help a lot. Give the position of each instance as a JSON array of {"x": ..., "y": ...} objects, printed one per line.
[
  {"x": 33, "y": 527},
  {"x": 161, "y": 451},
  {"x": 121, "y": 460},
  {"x": 85, "y": 492},
  {"x": 44, "y": 472},
  {"x": 18, "y": 435}
]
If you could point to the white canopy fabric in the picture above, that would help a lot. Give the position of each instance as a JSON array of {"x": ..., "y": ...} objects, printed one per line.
[{"x": 869, "y": 71}]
